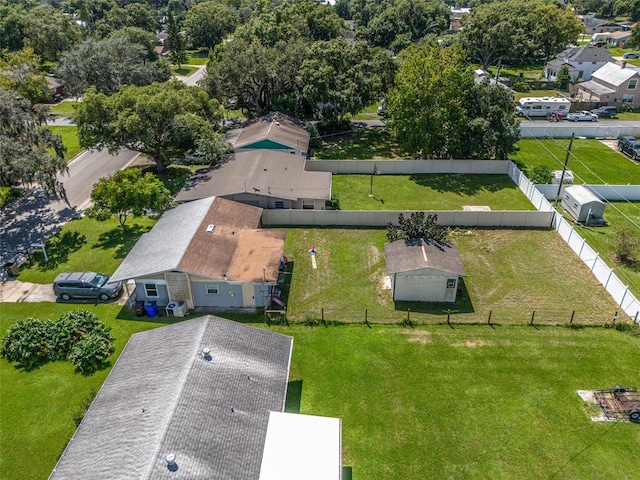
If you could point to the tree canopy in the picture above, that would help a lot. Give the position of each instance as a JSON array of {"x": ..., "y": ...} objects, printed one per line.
[
  {"x": 418, "y": 225},
  {"x": 108, "y": 65},
  {"x": 161, "y": 120},
  {"x": 518, "y": 31},
  {"x": 208, "y": 23},
  {"x": 29, "y": 154},
  {"x": 128, "y": 192},
  {"x": 436, "y": 110}
]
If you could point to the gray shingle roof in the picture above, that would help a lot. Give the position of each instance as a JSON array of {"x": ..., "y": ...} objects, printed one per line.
[
  {"x": 163, "y": 396},
  {"x": 591, "y": 53},
  {"x": 418, "y": 254},
  {"x": 274, "y": 174},
  {"x": 277, "y": 127}
]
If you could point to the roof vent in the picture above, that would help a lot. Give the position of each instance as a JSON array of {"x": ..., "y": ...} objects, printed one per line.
[
  {"x": 210, "y": 228},
  {"x": 206, "y": 353},
  {"x": 171, "y": 462}
]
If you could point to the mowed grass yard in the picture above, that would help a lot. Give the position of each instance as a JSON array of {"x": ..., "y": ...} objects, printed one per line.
[
  {"x": 69, "y": 134},
  {"x": 468, "y": 403},
  {"x": 427, "y": 192},
  {"x": 510, "y": 273},
  {"x": 591, "y": 161}
]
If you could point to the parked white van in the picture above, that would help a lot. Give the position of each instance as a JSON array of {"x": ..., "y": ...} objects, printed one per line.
[{"x": 543, "y": 106}]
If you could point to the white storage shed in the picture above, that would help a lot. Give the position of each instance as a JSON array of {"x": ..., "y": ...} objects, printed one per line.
[
  {"x": 423, "y": 271},
  {"x": 579, "y": 202}
]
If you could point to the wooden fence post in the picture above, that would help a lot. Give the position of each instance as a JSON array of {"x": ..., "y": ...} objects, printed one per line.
[
  {"x": 533, "y": 315},
  {"x": 489, "y": 319},
  {"x": 572, "y": 315},
  {"x": 322, "y": 316}
]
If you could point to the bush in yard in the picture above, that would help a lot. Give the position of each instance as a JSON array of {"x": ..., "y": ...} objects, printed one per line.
[
  {"x": 77, "y": 336},
  {"x": 564, "y": 78},
  {"x": 521, "y": 87},
  {"x": 626, "y": 245},
  {"x": 540, "y": 174},
  {"x": 418, "y": 225}
]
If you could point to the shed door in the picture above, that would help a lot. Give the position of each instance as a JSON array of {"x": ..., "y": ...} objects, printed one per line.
[{"x": 248, "y": 295}]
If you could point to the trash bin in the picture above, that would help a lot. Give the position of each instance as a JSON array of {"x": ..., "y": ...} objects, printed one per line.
[
  {"x": 139, "y": 310},
  {"x": 151, "y": 308}
]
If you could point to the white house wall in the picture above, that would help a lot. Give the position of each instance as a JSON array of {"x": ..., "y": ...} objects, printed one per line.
[{"x": 420, "y": 287}]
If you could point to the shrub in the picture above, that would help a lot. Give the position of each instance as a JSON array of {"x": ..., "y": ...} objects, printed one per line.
[
  {"x": 77, "y": 336},
  {"x": 521, "y": 87},
  {"x": 625, "y": 244},
  {"x": 540, "y": 174}
]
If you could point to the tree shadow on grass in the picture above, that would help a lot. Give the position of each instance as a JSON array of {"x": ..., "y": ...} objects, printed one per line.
[
  {"x": 462, "y": 304},
  {"x": 59, "y": 247},
  {"x": 463, "y": 184},
  {"x": 121, "y": 240}
]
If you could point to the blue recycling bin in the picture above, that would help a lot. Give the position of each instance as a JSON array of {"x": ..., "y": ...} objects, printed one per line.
[{"x": 151, "y": 308}]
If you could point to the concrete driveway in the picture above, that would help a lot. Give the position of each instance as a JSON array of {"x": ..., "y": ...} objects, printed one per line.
[{"x": 16, "y": 291}]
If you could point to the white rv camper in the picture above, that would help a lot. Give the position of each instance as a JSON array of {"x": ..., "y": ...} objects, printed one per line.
[{"x": 542, "y": 106}]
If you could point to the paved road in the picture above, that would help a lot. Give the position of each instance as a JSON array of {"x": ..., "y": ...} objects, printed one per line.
[
  {"x": 35, "y": 217},
  {"x": 193, "y": 79}
]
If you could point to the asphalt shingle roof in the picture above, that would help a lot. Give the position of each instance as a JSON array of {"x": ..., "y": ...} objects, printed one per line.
[
  {"x": 277, "y": 127},
  {"x": 267, "y": 173},
  {"x": 163, "y": 397},
  {"x": 418, "y": 254}
]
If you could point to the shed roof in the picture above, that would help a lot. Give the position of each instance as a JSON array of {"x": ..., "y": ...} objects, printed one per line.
[
  {"x": 183, "y": 240},
  {"x": 277, "y": 127},
  {"x": 163, "y": 397},
  {"x": 596, "y": 88},
  {"x": 420, "y": 253},
  {"x": 267, "y": 173},
  {"x": 582, "y": 194},
  {"x": 614, "y": 74}
]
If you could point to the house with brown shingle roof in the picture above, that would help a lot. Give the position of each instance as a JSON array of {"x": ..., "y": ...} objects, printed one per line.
[
  {"x": 207, "y": 253},
  {"x": 275, "y": 131}
]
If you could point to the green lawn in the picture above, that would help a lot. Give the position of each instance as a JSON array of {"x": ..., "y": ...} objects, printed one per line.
[
  {"x": 359, "y": 144},
  {"x": 69, "y": 134},
  {"x": 369, "y": 112},
  {"x": 510, "y": 273},
  {"x": 427, "y": 192},
  {"x": 197, "y": 57},
  {"x": 85, "y": 244},
  {"x": 470, "y": 402},
  {"x": 617, "y": 214},
  {"x": 64, "y": 108},
  {"x": 591, "y": 161},
  {"x": 38, "y": 407},
  {"x": 536, "y": 93},
  {"x": 184, "y": 70}
]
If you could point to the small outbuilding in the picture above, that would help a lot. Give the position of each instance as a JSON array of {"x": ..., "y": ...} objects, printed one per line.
[
  {"x": 579, "y": 202},
  {"x": 275, "y": 131},
  {"x": 423, "y": 271}
]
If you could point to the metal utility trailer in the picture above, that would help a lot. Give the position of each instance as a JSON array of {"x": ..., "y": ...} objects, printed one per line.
[{"x": 619, "y": 402}]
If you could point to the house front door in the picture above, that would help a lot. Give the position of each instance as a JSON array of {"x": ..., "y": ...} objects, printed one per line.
[{"x": 248, "y": 295}]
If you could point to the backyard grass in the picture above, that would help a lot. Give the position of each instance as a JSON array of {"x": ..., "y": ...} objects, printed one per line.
[
  {"x": 359, "y": 144},
  {"x": 197, "y": 57},
  {"x": 69, "y": 134},
  {"x": 64, "y": 108},
  {"x": 618, "y": 215},
  {"x": 591, "y": 161},
  {"x": 468, "y": 403},
  {"x": 537, "y": 93},
  {"x": 85, "y": 244},
  {"x": 183, "y": 71},
  {"x": 427, "y": 192},
  {"x": 510, "y": 273},
  {"x": 369, "y": 112}
]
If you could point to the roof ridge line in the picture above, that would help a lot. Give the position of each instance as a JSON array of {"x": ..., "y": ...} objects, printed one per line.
[{"x": 182, "y": 382}]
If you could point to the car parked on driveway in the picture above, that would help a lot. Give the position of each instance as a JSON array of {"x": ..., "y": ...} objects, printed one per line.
[
  {"x": 631, "y": 55},
  {"x": 631, "y": 149},
  {"x": 70, "y": 285},
  {"x": 583, "y": 116},
  {"x": 606, "y": 112},
  {"x": 624, "y": 140}
]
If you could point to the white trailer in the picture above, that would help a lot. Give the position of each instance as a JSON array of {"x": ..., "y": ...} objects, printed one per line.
[{"x": 542, "y": 106}]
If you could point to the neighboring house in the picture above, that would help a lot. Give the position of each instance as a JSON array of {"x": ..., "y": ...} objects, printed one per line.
[
  {"x": 612, "y": 84},
  {"x": 423, "y": 271},
  {"x": 597, "y": 25},
  {"x": 55, "y": 85},
  {"x": 275, "y": 131},
  {"x": 162, "y": 50},
  {"x": 581, "y": 61},
  {"x": 263, "y": 178},
  {"x": 455, "y": 15},
  {"x": 207, "y": 253},
  {"x": 618, "y": 39},
  {"x": 196, "y": 400}
]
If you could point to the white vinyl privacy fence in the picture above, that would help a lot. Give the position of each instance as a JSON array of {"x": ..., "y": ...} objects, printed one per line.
[{"x": 579, "y": 129}]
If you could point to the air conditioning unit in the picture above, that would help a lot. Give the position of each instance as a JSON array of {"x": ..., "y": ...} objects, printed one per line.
[
  {"x": 177, "y": 308},
  {"x": 557, "y": 175}
]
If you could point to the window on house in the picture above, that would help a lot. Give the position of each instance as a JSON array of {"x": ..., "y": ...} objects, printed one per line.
[
  {"x": 212, "y": 289},
  {"x": 308, "y": 205},
  {"x": 151, "y": 289},
  {"x": 633, "y": 83},
  {"x": 627, "y": 98},
  {"x": 279, "y": 204},
  {"x": 451, "y": 283}
]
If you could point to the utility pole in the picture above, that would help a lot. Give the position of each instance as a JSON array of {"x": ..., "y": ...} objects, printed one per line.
[{"x": 564, "y": 169}]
